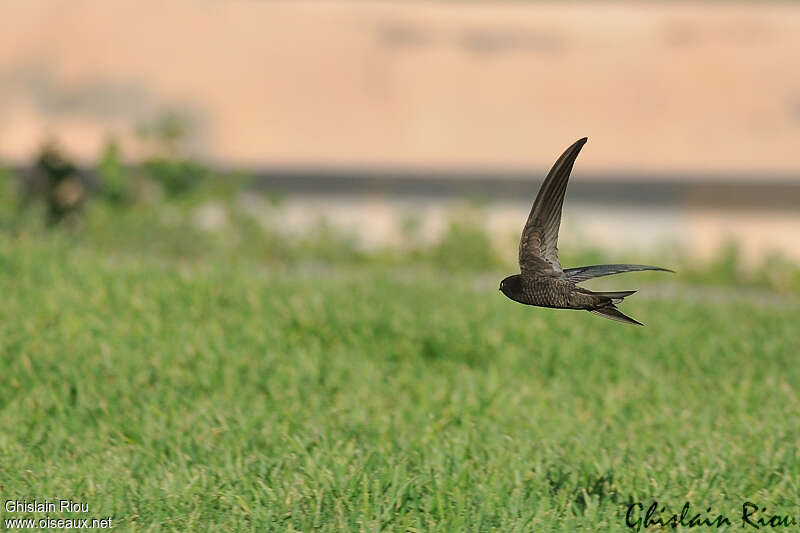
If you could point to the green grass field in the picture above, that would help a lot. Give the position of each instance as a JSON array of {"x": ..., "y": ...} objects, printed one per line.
[{"x": 226, "y": 395}]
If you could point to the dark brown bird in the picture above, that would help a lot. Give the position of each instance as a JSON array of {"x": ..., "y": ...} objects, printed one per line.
[{"x": 542, "y": 282}]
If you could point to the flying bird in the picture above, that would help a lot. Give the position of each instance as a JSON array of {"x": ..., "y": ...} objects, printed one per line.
[{"x": 541, "y": 281}]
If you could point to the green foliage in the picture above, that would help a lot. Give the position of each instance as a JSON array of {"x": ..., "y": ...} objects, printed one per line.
[
  {"x": 177, "y": 177},
  {"x": 164, "y": 231},
  {"x": 57, "y": 184},
  {"x": 166, "y": 133},
  {"x": 114, "y": 186},
  {"x": 778, "y": 272},
  {"x": 774, "y": 271},
  {"x": 726, "y": 265},
  {"x": 226, "y": 395},
  {"x": 168, "y": 165},
  {"x": 465, "y": 244},
  {"x": 227, "y": 186},
  {"x": 8, "y": 191}
]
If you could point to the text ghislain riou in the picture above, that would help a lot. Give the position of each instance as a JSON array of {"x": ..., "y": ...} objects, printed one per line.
[
  {"x": 46, "y": 506},
  {"x": 657, "y": 515}
]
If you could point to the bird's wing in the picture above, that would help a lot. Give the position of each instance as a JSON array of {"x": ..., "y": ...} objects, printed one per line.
[
  {"x": 538, "y": 247},
  {"x": 576, "y": 275}
]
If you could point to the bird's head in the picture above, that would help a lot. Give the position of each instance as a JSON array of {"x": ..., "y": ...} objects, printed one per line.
[{"x": 511, "y": 286}]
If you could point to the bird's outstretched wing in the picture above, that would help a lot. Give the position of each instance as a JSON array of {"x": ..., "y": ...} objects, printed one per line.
[
  {"x": 538, "y": 247},
  {"x": 576, "y": 275}
]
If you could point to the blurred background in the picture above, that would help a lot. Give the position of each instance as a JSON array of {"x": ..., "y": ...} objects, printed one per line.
[{"x": 406, "y": 131}]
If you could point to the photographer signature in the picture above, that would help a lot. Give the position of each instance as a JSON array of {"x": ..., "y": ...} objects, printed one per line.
[{"x": 752, "y": 516}]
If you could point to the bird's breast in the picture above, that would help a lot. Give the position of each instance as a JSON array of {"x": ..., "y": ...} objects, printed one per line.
[{"x": 548, "y": 292}]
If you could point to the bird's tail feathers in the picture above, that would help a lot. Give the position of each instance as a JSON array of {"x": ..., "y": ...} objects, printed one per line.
[
  {"x": 615, "y": 296},
  {"x": 611, "y": 312}
]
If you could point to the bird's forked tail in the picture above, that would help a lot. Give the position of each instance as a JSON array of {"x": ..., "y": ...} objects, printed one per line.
[{"x": 610, "y": 310}]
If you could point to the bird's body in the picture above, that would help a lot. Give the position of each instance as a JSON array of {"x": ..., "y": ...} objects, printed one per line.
[
  {"x": 541, "y": 281},
  {"x": 557, "y": 293}
]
